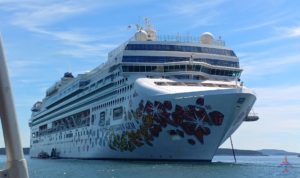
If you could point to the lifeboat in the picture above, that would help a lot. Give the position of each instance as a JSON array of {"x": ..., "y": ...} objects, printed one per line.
[{"x": 37, "y": 106}]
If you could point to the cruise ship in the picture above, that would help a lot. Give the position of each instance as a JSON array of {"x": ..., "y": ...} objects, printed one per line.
[{"x": 155, "y": 98}]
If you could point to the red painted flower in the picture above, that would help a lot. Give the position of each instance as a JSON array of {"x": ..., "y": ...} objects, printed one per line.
[
  {"x": 201, "y": 113},
  {"x": 191, "y": 120},
  {"x": 216, "y": 117},
  {"x": 168, "y": 105},
  {"x": 200, "y": 101},
  {"x": 149, "y": 108}
]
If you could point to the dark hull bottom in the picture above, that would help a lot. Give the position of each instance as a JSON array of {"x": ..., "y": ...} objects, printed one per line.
[{"x": 136, "y": 160}]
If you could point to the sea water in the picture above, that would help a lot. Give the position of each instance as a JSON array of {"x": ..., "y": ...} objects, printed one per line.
[{"x": 221, "y": 167}]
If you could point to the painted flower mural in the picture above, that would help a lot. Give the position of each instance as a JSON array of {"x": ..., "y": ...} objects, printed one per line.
[{"x": 153, "y": 117}]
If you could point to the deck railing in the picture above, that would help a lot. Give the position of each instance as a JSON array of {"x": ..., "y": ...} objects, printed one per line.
[{"x": 187, "y": 39}]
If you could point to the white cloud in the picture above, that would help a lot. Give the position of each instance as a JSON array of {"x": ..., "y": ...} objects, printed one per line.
[
  {"x": 38, "y": 16},
  {"x": 268, "y": 19},
  {"x": 292, "y": 32},
  {"x": 73, "y": 36},
  {"x": 20, "y": 67},
  {"x": 198, "y": 13},
  {"x": 263, "y": 41},
  {"x": 80, "y": 44},
  {"x": 283, "y": 94},
  {"x": 257, "y": 25},
  {"x": 254, "y": 66},
  {"x": 281, "y": 33},
  {"x": 88, "y": 50},
  {"x": 193, "y": 8}
]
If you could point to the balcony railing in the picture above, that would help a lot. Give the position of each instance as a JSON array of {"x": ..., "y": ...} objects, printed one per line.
[{"x": 187, "y": 39}]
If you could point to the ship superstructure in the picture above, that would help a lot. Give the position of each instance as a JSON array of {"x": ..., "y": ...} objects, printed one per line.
[{"x": 155, "y": 98}]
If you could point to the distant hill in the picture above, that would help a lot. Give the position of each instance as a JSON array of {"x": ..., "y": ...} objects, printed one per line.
[
  {"x": 263, "y": 152},
  {"x": 227, "y": 151},
  {"x": 25, "y": 151},
  {"x": 276, "y": 152}
]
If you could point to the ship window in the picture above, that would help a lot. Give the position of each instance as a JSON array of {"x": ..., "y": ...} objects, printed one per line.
[
  {"x": 84, "y": 83},
  {"x": 230, "y": 73},
  {"x": 153, "y": 59},
  {"x": 226, "y": 72},
  {"x": 171, "y": 68},
  {"x": 142, "y": 69},
  {"x": 175, "y": 83},
  {"x": 130, "y": 69},
  {"x": 117, "y": 113},
  {"x": 218, "y": 62},
  {"x": 102, "y": 120},
  {"x": 159, "y": 47},
  {"x": 166, "y": 68},
  {"x": 157, "y": 59},
  {"x": 160, "y": 83},
  {"x": 148, "y": 68},
  {"x": 213, "y": 71},
  {"x": 197, "y": 67},
  {"x": 92, "y": 120},
  {"x": 136, "y": 69}
]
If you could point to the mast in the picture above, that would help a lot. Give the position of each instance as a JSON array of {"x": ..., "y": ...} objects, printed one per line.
[{"x": 16, "y": 165}]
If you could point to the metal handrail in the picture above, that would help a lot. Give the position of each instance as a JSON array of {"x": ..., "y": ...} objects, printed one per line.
[
  {"x": 186, "y": 39},
  {"x": 16, "y": 166}
]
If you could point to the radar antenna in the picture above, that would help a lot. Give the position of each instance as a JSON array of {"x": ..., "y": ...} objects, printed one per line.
[{"x": 147, "y": 23}]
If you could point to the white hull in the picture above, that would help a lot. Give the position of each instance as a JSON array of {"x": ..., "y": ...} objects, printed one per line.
[{"x": 168, "y": 144}]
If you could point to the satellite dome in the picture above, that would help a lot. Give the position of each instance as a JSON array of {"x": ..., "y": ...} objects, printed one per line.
[
  {"x": 207, "y": 38},
  {"x": 141, "y": 35},
  {"x": 151, "y": 33}
]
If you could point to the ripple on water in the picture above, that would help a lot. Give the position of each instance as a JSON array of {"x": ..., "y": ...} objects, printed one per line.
[{"x": 222, "y": 167}]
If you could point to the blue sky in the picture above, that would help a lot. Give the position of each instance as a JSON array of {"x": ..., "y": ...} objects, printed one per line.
[{"x": 44, "y": 39}]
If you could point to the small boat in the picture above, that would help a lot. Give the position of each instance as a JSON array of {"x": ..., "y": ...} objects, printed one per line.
[
  {"x": 43, "y": 155},
  {"x": 285, "y": 161}
]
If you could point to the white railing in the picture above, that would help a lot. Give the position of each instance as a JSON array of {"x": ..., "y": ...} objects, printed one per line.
[{"x": 187, "y": 39}]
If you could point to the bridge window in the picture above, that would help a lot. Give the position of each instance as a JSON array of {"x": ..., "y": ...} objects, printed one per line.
[
  {"x": 167, "y": 59},
  {"x": 174, "y": 68},
  {"x": 217, "y": 62},
  {"x": 161, "y": 47},
  {"x": 154, "y": 59}
]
